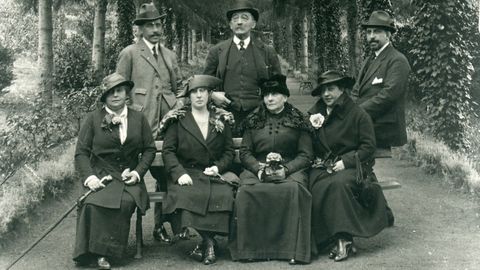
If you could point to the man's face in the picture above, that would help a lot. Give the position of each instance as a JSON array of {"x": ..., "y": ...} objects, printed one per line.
[
  {"x": 152, "y": 31},
  {"x": 242, "y": 23},
  {"x": 377, "y": 37}
]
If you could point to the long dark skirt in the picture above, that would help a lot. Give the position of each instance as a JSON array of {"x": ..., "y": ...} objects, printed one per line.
[
  {"x": 272, "y": 221},
  {"x": 103, "y": 231},
  {"x": 337, "y": 210}
]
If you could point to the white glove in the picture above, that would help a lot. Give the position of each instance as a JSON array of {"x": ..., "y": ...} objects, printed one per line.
[
  {"x": 93, "y": 183},
  {"x": 185, "y": 179},
  {"x": 211, "y": 171}
]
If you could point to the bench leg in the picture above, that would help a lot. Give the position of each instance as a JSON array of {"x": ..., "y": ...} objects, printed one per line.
[{"x": 139, "y": 235}]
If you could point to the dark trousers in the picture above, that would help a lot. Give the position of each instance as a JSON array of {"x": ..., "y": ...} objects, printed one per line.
[{"x": 161, "y": 176}]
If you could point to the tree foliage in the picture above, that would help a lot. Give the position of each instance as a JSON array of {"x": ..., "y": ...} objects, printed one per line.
[
  {"x": 444, "y": 71},
  {"x": 6, "y": 67}
]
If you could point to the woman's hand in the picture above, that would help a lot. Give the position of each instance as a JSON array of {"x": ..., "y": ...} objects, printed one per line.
[
  {"x": 185, "y": 179},
  {"x": 94, "y": 183},
  {"x": 338, "y": 166},
  {"x": 211, "y": 171},
  {"x": 275, "y": 175}
]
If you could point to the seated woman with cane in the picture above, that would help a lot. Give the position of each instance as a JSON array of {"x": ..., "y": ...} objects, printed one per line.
[
  {"x": 116, "y": 141},
  {"x": 344, "y": 145},
  {"x": 198, "y": 152},
  {"x": 273, "y": 204}
]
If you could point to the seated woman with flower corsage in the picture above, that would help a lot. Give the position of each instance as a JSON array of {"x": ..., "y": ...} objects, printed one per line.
[
  {"x": 344, "y": 145},
  {"x": 273, "y": 204},
  {"x": 116, "y": 142},
  {"x": 197, "y": 153}
]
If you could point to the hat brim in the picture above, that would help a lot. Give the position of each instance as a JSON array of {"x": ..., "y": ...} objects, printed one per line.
[
  {"x": 253, "y": 11},
  {"x": 347, "y": 82},
  {"x": 143, "y": 21},
  {"x": 130, "y": 85},
  {"x": 387, "y": 27}
]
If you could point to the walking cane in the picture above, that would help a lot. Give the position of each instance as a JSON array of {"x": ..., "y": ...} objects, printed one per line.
[{"x": 47, "y": 231}]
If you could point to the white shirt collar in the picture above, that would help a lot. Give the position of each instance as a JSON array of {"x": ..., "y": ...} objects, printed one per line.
[
  {"x": 150, "y": 45},
  {"x": 246, "y": 41},
  {"x": 377, "y": 53},
  {"x": 124, "y": 112}
]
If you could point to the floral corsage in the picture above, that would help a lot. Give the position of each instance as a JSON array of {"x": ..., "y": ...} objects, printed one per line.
[
  {"x": 317, "y": 120},
  {"x": 110, "y": 121},
  {"x": 220, "y": 117}
]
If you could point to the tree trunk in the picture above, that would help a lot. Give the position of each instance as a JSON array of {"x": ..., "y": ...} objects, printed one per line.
[
  {"x": 189, "y": 44},
  {"x": 352, "y": 37},
  {"x": 304, "y": 65},
  {"x": 209, "y": 35},
  {"x": 98, "y": 50},
  {"x": 194, "y": 43},
  {"x": 184, "y": 43},
  {"x": 45, "y": 48}
]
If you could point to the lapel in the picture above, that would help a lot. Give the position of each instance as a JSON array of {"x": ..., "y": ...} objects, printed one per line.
[
  {"x": 375, "y": 64},
  {"x": 130, "y": 127},
  {"x": 115, "y": 132},
  {"x": 224, "y": 50},
  {"x": 212, "y": 133},
  {"x": 146, "y": 53},
  {"x": 320, "y": 107},
  {"x": 189, "y": 124}
]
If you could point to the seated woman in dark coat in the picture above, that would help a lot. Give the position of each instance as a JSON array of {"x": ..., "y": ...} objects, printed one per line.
[
  {"x": 109, "y": 143},
  {"x": 343, "y": 135},
  {"x": 273, "y": 205},
  {"x": 198, "y": 152}
]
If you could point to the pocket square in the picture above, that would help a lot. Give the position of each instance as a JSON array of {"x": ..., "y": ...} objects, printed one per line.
[{"x": 377, "y": 80}]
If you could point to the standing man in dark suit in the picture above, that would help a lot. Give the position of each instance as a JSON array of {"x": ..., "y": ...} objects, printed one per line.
[
  {"x": 154, "y": 70},
  {"x": 382, "y": 84},
  {"x": 240, "y": 62}
]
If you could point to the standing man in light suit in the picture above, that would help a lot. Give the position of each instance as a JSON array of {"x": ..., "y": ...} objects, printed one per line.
[
  {"x": 154, "y": 70},
  {"x": 382, "y": 84},
  {"x": 241, "y": 62}
]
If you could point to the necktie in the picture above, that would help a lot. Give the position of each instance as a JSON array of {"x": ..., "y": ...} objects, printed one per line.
[
  {"x": 241, "y": 43},
  {"x": 155, "y": 53}
]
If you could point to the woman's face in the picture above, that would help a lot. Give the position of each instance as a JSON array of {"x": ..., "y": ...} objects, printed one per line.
[
  {"x": 199, "y": 97},
  {"x": 274, "y": 102},
  {"x": 117, "y": 97},
  {"x": 330, "y": 94}
]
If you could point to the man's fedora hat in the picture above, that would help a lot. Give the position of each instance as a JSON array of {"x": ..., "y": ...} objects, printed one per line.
[
  {"x": 111, "y": 81},
  {"x": 335, "y": 77},
  {"x": 243, "y": 5},
  {"x": 380, "y": 19},
  {"x": 202, "y": 81},
  {"x": 276, "y": 84},
  {"x": 147, "y": 12}
]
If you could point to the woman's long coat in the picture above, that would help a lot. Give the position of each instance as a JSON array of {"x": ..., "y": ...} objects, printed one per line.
[
  {"x": 99, "y": 152},
  {"x": 185, "y": 151}
]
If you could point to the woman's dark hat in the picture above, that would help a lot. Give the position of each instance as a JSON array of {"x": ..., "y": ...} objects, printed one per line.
[
  {"x": 243, "y": 5},
  {"x": 276, "y": 84},
  {"x": 111, "y": 81},
  {"x": 147, "y": 12},
  {"x": 381, "y": 19},
  {"x": 332, "y": 76},
  {"x": 203, "y": 81}
]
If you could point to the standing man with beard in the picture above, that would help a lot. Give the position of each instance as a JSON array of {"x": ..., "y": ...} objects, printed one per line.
[
  {"x": 382, "y": 84},
  {"x": 154, "y": 70},
  {"x": 240, "y": 62}
]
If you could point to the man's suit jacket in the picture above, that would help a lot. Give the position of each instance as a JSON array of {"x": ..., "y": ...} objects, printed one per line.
[
  {"x": 99, "y": 152},
  {"x": 266, "y": 58},
  {"x": 137, "y": 63},
  {"x": 381, "y": 91}
]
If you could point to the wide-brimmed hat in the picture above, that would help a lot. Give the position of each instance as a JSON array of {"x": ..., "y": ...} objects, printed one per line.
[
  {"x": 203, "y": 81},
  {"x": 381, "y": 19},
  {"x": 111, "y": 81},
  {"x": 243, "y": 5},
  {"x": 276, "y": 84},
  {"x": 147, "y": 12},
  {"x": 332, "y": 76}
]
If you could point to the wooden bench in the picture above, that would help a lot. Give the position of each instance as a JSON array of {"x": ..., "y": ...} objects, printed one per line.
[{"x": 159, "y": 196}]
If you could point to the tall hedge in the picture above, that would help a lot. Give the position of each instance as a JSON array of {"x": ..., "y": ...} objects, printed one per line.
[{"x": 445, "y": 36}]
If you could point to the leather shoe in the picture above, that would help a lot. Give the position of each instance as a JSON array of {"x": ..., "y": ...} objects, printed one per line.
[
  {"x": 292, "y": 262},
  {"x": 390, "y": 217},
  {"x": 197, "y": 253},
  {"x": 333, "y": 252},
  {"x": 160, "y": 234},
  {"x": 184, "y": 235},
  {"x": 209, "y": 252},
  {"x": 102, "y": 263},
  {"x": 344, "y": 250}
]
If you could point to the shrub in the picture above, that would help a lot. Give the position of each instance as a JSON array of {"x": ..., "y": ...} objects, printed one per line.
[{"x": 6, "y": 67}]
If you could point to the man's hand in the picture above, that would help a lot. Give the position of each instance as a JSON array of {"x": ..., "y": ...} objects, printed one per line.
[
  {"x": 185, "y": 179},
  {"x": 220, "y": 100},
  {"x": 94, "y": 184},
  {"x": 338, "y": 166},
  {"x": 211, "y": 171}
]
